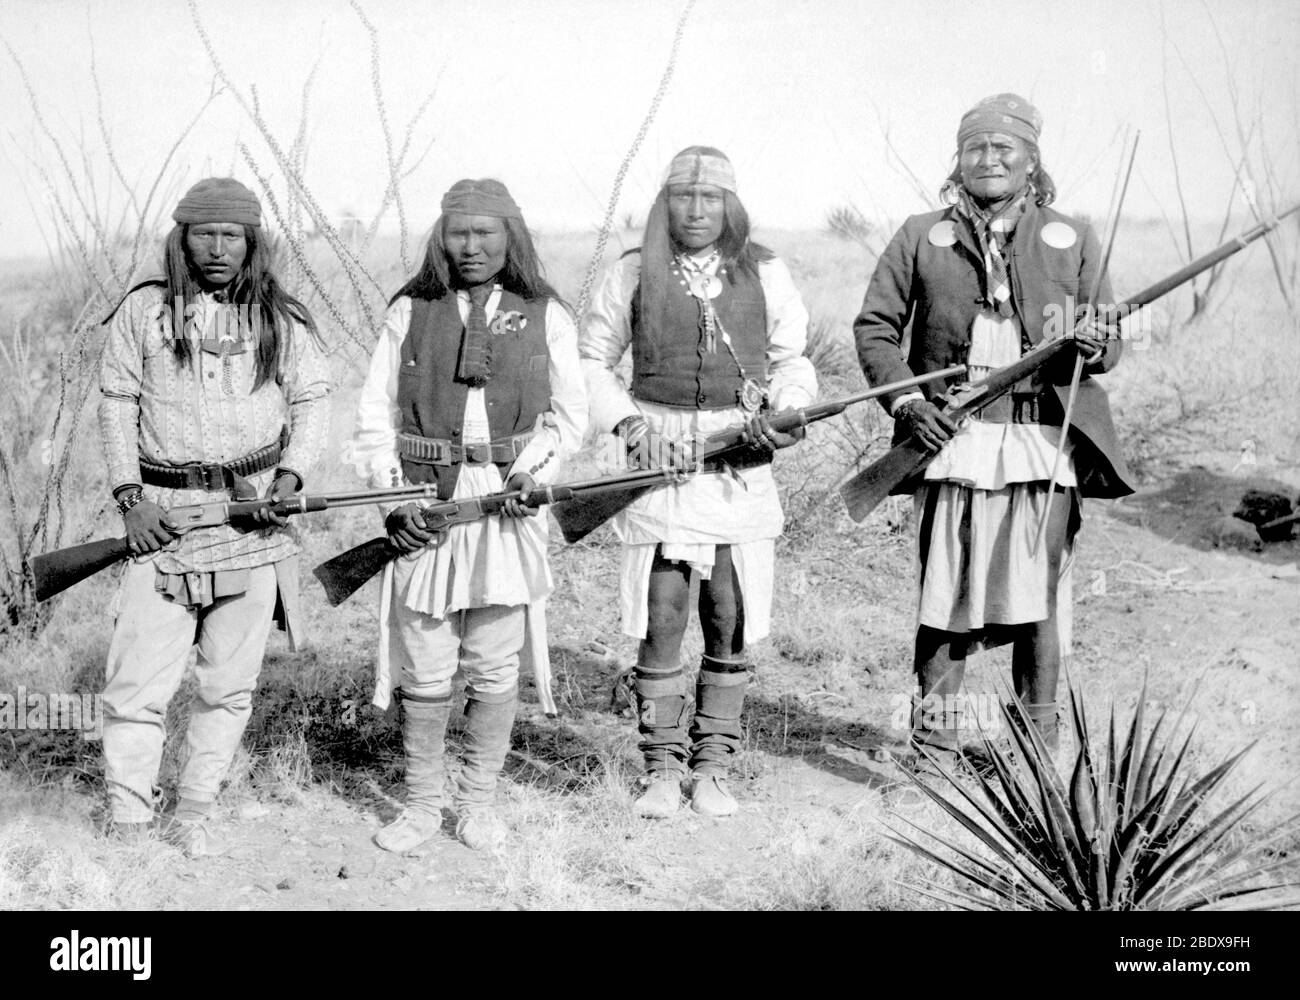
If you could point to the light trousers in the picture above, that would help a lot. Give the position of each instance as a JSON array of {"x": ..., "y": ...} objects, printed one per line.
[{"x": 146, "y": 663}]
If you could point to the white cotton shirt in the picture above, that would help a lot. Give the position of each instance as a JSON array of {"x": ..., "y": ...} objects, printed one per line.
[{"x": 990, "y": 456}]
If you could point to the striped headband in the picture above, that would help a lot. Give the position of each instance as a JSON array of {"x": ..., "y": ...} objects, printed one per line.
[{"x": 702, "y": 168}]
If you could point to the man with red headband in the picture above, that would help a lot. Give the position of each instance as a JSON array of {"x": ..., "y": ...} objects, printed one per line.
[
  {"x": 980, "y": 282},
  {"x": 475, "y": 386},
  {"x": 717, "y": 334},
  {"x": 214, "y": 386}
]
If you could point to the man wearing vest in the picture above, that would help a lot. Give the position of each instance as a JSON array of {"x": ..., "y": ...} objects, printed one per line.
[
  {"x": 214, "y": 386},
  {"x": 717, "y": 332},
  {"x": 475, "y": 386}
]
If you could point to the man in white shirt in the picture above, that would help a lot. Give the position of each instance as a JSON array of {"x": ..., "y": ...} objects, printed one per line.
[
  {"x": 717, "y": 332},
  {"x": 475, "y": 385}
]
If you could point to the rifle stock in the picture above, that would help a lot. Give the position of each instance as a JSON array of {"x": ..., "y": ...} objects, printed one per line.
[
  {"x": 348, "y": 571},
  {"x": 54, "y": 572},
  {"x": 581, "y": 516}
]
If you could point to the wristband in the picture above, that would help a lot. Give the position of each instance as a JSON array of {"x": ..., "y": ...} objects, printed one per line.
[{"x": 129, "y": 501}]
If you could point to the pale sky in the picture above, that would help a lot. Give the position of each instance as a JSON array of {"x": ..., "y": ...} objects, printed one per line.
[{"x": 548, "y": 95}]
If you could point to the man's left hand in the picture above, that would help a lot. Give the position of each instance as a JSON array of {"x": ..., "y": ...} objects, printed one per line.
[
  {"x": 285, "y": 485},
  {"x": 519, "y": 508},
  {"x": 761, "y": 434}
]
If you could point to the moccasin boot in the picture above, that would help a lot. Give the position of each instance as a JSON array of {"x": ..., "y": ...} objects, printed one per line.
[
  {"x": 1043, "y": 717},
  {"x": 719, "y": 700},
  {"x": 488, "y": 721},
  {"x": 709, "y": 796},
  {"x": 189, "y": 828},
  {"x": 661, "y": 799},
  {"x": 424, "y": 733},
  {"x": 660, "y": 711},
  {"x": 936, "y": 714}
]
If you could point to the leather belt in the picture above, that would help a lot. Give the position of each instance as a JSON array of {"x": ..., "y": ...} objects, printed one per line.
[
  {"x": 1023, "y": 408},
  {"x": 214, "y": 476},
  {"x": 440, "y": 451}
]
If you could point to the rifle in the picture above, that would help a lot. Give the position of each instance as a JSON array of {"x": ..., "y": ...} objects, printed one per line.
[
  {"x": 347, "y": 572},
  {"x": 54, "y": 572},
  {"x": 866, "y": 490},
  {"x": 580, "y": 507},
  {"x": 579, "y": 517}
]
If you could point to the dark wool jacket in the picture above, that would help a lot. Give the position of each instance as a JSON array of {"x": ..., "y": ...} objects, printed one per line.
[{"x": 927, "y": 290}]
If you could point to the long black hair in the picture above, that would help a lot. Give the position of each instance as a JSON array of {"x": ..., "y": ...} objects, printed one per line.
[
  {"x": 1039, "y": 179},
  {"x": 522, "y": 273},
  {"x": 269, "y": 309}
]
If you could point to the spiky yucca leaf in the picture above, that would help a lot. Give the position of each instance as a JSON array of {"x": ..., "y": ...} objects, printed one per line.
[{"x": 1130, "y": 831}]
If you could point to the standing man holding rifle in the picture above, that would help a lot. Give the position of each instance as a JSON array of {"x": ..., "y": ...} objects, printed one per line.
[
  {"x": 214, "y": 386},
  {"x": 475, "y": 386},
  {"x": 984, "y": 281},
  {"x": 717, "y": 332}
]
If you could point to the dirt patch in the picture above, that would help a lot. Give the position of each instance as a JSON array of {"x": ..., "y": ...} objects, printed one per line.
[{"x": 1196, "y": 508}]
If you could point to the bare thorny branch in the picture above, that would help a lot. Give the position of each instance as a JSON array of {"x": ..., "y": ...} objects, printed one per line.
[{"x": 584, "y": 297}]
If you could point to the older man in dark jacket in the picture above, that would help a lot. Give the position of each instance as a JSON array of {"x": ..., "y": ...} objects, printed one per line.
[{"x": 981, "y": 282}]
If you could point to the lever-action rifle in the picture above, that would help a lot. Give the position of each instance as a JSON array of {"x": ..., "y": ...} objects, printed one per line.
[
  {"x": 347, "y": 572},
  {"x": 581, "y": 516},
  {"x": 54, "y": 572},
  {"x": 866, "y": 490},
  {"x": 584, "y": 506}
]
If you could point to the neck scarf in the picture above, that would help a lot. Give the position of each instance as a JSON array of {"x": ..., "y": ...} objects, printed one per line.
[
  {"x": 475, "y": 366},
  {"x": 993, "y": 231}
]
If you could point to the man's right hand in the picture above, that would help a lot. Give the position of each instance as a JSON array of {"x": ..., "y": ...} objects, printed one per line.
[
  {"x": 147, "y": 527},
  {"x": 406, "y": 528},
  {"x": 931, "y": 426},
  {"x": 647, "y": 450}
]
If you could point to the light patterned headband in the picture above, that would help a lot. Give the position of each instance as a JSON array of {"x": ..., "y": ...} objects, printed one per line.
[{"x": 702, "y": 168}]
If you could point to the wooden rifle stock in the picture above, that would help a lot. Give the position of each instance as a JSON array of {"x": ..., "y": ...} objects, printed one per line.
[
  {"x": 54, "y": 572},
  {"x": 581, "y": 516},
  {"x": 866, "y": 490},
  {"x": 346, "y": 573}
]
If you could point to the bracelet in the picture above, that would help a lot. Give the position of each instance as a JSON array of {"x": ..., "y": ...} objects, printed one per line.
[{"x": 129, "y": 501}]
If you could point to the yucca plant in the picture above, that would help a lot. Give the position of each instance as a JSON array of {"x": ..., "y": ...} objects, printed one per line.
[{"x": 1129, "y": 832}]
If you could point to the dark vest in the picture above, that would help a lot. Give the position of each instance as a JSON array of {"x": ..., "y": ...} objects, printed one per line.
[
  {"x": 675, "y": 369},
  {"x": 432, "y": 403}
]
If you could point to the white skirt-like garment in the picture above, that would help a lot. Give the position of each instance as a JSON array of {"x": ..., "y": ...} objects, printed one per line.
[
  {"x": 690, "y": 519},
  {"x": 976, "y": 566},
  {"x": 492, "y": 560}
]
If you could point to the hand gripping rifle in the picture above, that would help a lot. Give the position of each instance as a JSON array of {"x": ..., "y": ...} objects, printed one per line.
[
  {"x": 347, "y": 572},
  {"x": 580, "y": 507},
  {"x": 866, "y": 490},
  {"x": 54, "y": 572},
  {"x": 579, "y": 517}
]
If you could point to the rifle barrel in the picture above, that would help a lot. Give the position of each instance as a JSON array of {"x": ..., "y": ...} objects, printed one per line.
[
  {"x": 1226, "y": 250},
  {"x": 887, "y": 388}
]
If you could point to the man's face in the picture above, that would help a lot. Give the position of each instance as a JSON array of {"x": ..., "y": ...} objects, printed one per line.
[
  {"x": 476, "y": 247},
  {"x": 696, "y": 215},
  {"x": 218, "y": 250},
  {"x": 994, "y": 166}
]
